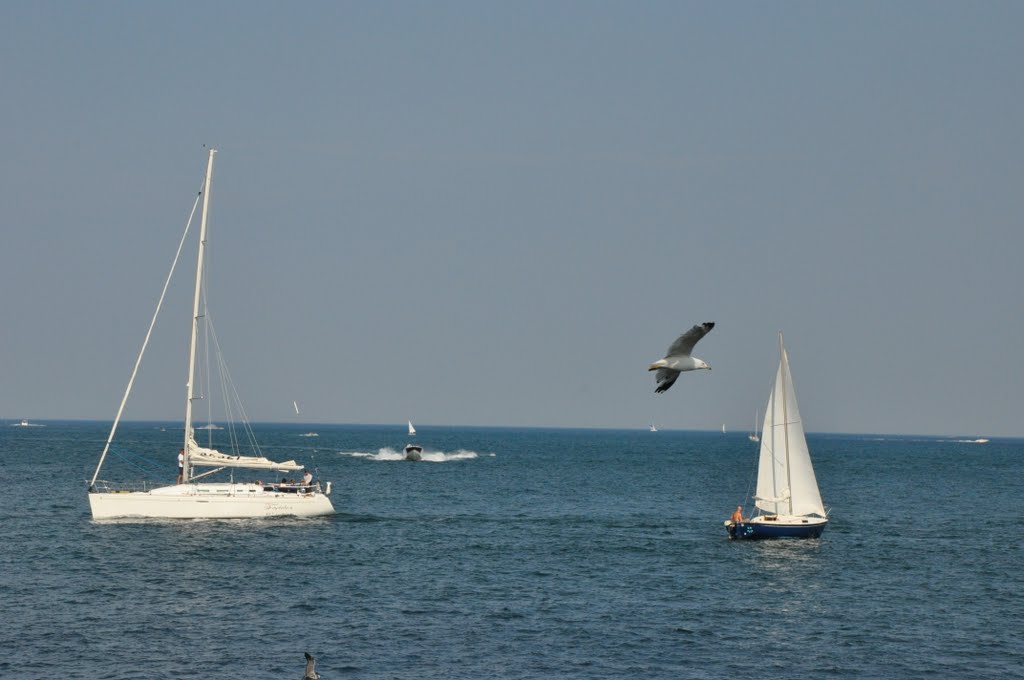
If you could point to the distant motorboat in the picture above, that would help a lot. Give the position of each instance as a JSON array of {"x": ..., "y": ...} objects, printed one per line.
[
  {"x": 413, "y": 452},
  {"x": 209, "y": 426},
  {"x": 309, "y": 434},
  {"x": 25, "y": 423}
]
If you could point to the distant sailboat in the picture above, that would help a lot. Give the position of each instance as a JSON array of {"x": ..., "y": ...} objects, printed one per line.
[
  {"x": 412, "y": 430},
  {"x": 653, "y": 428},
  {"x": 296, "y": 405},
  {"x": 787, "y": 490},
  {"x": 723, "y": 428},
  {"x": 753, "y": 435}
]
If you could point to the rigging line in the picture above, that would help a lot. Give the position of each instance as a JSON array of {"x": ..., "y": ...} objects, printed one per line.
[
  {"x": 235, "y": 399},
  {"x": 206, "y": 368},
  {"x": 145, "y": 343},
  {"x": 226, "y": 395},
  {"x": 133, "y": 461}
]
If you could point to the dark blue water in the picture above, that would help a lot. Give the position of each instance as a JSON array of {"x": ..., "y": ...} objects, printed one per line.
[{"x": 520, "y": 554}]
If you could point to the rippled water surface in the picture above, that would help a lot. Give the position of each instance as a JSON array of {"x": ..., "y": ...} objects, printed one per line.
[{"x": 511, "y": 553}]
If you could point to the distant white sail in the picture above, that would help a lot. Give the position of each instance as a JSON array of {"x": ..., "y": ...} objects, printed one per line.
[
  {"x": 412, "y": 430},
  {"x": 296, "y": 405}
]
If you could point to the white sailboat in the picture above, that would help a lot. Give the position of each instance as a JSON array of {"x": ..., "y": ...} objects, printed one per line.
[
  {"x": 412, "y": 430},
  {"x": 753, "y": 435},
  {"x": 191, "y": 498},
  {"x": 788, "y": 501},
  {"x": 653, "y": 428}
]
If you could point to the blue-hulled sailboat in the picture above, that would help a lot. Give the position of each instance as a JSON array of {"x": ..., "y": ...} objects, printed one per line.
[{"x": 787, "y": 498}]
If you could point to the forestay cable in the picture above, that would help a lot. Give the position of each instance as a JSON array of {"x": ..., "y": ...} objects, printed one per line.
[{"x": 145, "y": 343}]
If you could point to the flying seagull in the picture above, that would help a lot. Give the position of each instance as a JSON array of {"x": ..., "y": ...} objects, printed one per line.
[
  {"x": 678, "y": 358},
  {"x": 311, "y": 673}
]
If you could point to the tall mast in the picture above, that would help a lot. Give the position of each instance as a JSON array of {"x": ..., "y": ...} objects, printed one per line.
[
  {"x": 785, "y": 419},
  {"x": 195, "y": 316}
]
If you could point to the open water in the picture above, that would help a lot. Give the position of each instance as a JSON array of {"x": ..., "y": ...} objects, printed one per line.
[{"x": 519, "y": 553}]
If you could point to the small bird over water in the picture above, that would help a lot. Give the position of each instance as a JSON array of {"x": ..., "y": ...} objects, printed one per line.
[
  {"x": 678, "y": 358},
  {"x": 310, "y": 673}
]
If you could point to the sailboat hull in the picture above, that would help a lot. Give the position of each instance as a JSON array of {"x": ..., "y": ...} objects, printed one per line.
[
  {"x": 208, "y": 501},
  {"x": 789, "y": 527}
]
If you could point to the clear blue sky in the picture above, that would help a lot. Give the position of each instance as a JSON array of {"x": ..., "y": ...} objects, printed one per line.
[{"x": 499, "y": 214}]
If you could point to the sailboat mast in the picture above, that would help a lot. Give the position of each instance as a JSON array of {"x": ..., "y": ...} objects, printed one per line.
[
  {"x": 785, "y": 419},
  {"x": 186, "y": 471}
]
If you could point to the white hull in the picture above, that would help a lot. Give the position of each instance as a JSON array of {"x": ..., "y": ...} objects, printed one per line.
[{"x": 208, "y": 501}]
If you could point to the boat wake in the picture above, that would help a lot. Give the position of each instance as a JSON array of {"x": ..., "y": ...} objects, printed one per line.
[
  {"x": 428, "y": 456},
  {"x": 928, "y": 439}
]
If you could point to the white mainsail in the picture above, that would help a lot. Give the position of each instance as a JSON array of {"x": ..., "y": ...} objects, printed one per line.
[
  {"x": 786, "y": 484},
  {"x": 412, "y": 430},
  {"x": 199, "y": 455}
]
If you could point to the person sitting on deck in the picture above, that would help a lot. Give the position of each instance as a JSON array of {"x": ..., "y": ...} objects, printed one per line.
[
  {"x": 738, "y": 515},
  {"x": 307, "y": 477}
]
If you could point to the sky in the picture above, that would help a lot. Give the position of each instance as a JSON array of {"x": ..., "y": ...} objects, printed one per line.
[{"x": 483, "y": 213}]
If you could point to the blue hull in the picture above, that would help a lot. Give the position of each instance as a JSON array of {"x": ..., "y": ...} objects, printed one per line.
[{"x": 755, "y": 530}]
